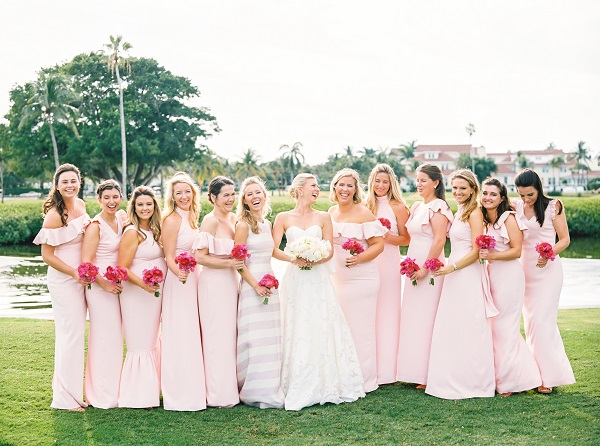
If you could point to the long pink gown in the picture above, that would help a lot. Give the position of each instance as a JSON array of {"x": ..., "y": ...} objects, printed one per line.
[
  {"x": 461, "y": 363},
  {"x": 69, "y": 311},
  {"x": 140, "y": 377},
  {"x": 540, "y": 308},
  {"x": 105, "y": 341},
  {"x": 182, "y": 366},
  {"x": 218, "y": 303},
  {"x": 356, "y": 289},
  {"x": 389, "y": 300},
  {"x": 420, "y": 302},
  {"x": 516, "y": 369},
  {"x": 259, "y": 330}
]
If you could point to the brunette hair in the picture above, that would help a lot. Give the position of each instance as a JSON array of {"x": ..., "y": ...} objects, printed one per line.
[
  {"x": 346, "y": 172},
  {"x": 133, "y": 219},
  {"x": 108, "y": 185},
  {"x": 527, "y": 178},
  {"x": 170, "y": 205},
  {"x": 435, "y": 174},
  {"x": 243, "y": 211},
  {"x": 55, "y": 199},
  {"x": 504, "y": 201},
  {"x": 394, "y": 192},
  {"x": 473, "y": 202},
  {"x": 216, "y": 184},
  {"x": 299, "y": 181}
]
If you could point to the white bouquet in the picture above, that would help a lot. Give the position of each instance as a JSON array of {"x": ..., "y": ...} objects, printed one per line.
[{"x": 308, "y": 248}]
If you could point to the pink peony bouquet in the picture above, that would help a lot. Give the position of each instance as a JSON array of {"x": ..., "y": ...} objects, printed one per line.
[
  {"x": 353, "y": 246},
  {"x": 240, "y": 252},
  {"x": 433, "y": 265},
  {"x": 485, "y": 241},
  {"x": 153, "y": 277},
  {"x": 185, "y": 262},
  {"x": 116, "y": 275},
  {"x": 407, "y": 267},
  {"x": 269, "y": 282},
  {"x": 544, "y": 249},
  {"x": 87, "y": 272},
  {"x": 385, "y": 222}
]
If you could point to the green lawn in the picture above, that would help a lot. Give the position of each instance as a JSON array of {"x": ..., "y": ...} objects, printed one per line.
[{"x": 394, "y": 414}]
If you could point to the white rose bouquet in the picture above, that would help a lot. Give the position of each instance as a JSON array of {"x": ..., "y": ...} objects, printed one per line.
[{"x": 308, "y": 248}]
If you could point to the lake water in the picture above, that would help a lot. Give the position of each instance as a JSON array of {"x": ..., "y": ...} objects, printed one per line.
[{"x": 23, "y": 290}]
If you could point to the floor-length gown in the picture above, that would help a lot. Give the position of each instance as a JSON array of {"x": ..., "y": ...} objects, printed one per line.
[
  {"x": 356, "y": 289},
  {"x": 182, "y": 366},
  {"x": 217, "y": 303},
  {"x": 105, "y": 341},
  {"x": 69, "y": 311},
  {"x": 259, "y": 330},
  {"x": 542, "y": 293},
  {"x": 461, "y": 363},
  {"x": 389, "y": 300},
  {"x": 516, "y": 369},
  {"x": 140, "y": 377},
  {"x": 320, "y": 364},
  {"x": 420, "y": 302}
]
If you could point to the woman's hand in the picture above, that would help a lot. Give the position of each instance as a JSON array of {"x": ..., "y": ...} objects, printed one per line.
[
  {"x": 151, "y": 288},
  {"x": 444, "y": 270},
  {"x": 541, "y": 262},
  {"x": 353, "y": 260},
  {"x": 236, "y": 264},
  {"x": 109, "y": 287},
  {"x": 183, "y": 276},
  {"x": 302, "y": 263},
  {"x": 418, "y": 275},
  {"x": 262, "y": 291},
  {"x": 484, "y": 254}
]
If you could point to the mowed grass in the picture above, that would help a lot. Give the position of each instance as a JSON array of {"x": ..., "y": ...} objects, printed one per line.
[{"x": 393, "y": 414}]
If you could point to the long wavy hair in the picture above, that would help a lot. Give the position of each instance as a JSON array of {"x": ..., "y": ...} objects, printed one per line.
[
  {"x": 216, "y": 184},
  {"x": 170, "y": 205},
  {"x": 474, "y": 199},
  {"x": 55, "y": 199},
  {"x": 358, "y": 196},
  {"x": 299, "y": 181},
  {"x": 243, "y": 211},
  {"x": 527, "y": 178},
  {"x": 394, "y": 192},
  {"x": 133, "y": 219},
  {"x": 435, "y": 174},
  {"x": 504, "y": 201}
]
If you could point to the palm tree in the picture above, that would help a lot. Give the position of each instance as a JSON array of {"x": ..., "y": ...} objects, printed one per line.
[
  {"x": 248, "y": 166},
  {"x": 115, "y": 49},
  {"x": 555, "y": 164},
  {"x": 349, "y": 152},
  {"x": 52, "y": 101},
  {"x": 582, "y": 158},
  {"x": 407, "y": 153},
  {"x": 521, "y": 161},
  {"x": 368, "y": 152},
  {"x": 293, "y": 158},
  {"x": 470, "y": 129}
]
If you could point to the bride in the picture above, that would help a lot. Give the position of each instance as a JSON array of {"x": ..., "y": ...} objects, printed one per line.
[{"x": 319, "y": 359}]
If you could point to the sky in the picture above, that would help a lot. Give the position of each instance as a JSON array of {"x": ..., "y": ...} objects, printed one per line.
[{"x": 331, "y": 74}]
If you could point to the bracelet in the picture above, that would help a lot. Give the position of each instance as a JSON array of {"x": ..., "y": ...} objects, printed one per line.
[{"x": 455, "y": 267}]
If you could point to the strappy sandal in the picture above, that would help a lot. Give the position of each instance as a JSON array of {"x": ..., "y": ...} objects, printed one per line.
[{"x": 544, "y": 390}]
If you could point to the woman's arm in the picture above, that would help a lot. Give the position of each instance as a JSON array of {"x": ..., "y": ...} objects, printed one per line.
[
  {"x": 169, "y": 233},
  {"x": 562, "y": 229},
  {"x": 278, "y": 231},
  {"x": 403, "y": 238},
  {"x": 127, "y": 249},
  {"x": 476, "y": 225},
  {"x": 439, "y": 226},
  {"x": 91, "y": 239},
  {"x": 241, "y": 236},
  {"x": 516, "y": 242}
]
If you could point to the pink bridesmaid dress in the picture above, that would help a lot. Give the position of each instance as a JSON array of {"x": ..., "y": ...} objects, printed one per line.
[
  {"x": 259, "y": 330},
  {"x": 461, "y": 363},
  {"x": 389, "y": 300},
  {"x": 516, "y": 369},
  {"x": 420, "y": 302},
  {"x": 182, "y": 365},
  {"x": 540, "y": 308},
  {"x": 105, "y": 341},
  {"x": 69, "y": 311},
  {"x": 217, "y": 303},
  {"x": 356, "y": 289},
  {"x": 140, "y": 377}
]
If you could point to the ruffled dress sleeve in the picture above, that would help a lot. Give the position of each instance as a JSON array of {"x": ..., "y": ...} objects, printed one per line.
[
  {"x": 359, "y": 231},
  {"x": 373, "y": 229},
  {"x": 64, "y": 234},
  {"x": 551, "y": 210},
  {"x": 500, "y": 226},
  {"x": 215, "y": 246},
  {"x": 440, "y": 206}
]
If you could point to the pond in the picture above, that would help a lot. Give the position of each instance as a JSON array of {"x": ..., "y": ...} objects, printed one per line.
[{"x": 23, "y": 290}]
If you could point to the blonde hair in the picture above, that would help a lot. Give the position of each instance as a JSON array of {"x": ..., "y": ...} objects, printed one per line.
[
  {"x": 133, "y": 219},
  {"x": 243, "y": 211},
  {"x": 299, "y": 181},
  {"x": 170, "y": 205},
  {"x": 473, "y": 202},
  {"x": 346, "y": 172},
  {"x": 394, "y": 193}
]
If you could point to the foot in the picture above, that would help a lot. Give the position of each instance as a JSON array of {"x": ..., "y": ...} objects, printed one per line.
[
  {"x": 505, "y": 394},
  {"x": 77, "y": 409},
  {"x": 545, "y": 390},
  {"x": 421, "y": 387}
]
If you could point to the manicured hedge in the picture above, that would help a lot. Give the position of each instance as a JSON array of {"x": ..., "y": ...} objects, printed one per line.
[{"x": 20, "y": 220}]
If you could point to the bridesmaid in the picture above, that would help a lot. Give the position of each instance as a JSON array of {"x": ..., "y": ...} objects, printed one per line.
[
  {"x": 385, "y": 201},
  {"x": 427, "y": 225},
  {"x": 546, "y": 221},
  {"x": 259, "y": 326},
  {"x": 140, "y": 250},
  {"x": 218, "y": 311},
  {"x": 61, "y": 237},
  {"x": 461, "y": 363},
  {"x": 356, "y": 277},
  {"x": 182, "y": 366},
  {"x": 516, "y": 369},
  {"x": 105, "y": 341}
]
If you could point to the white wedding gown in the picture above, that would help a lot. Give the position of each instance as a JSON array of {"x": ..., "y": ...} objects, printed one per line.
[{"x": 319, "y": 359}]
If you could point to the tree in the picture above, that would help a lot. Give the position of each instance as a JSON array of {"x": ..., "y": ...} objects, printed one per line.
[
  {"x": 582, "y": 158},
  {"x": 52, "y": 100},
  {"x": 551, "y": 146},
  {"x": 555, "y": 164},
  {"x": 248, "y": 166},
  {"x": 470, "y": 129},
  {"x": 293, "y": 158},
  {"x": 116, "y": 48},
  {"x": 484, "y": 167},
  {"x": 522, "y": 162}
]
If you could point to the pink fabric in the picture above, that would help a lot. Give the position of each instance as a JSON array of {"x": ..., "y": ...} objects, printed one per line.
[
  {"x": 69, "y": 311},
  {"x": 419, "y": 303},
  {"x": 515, "y": 366},
  {"x": 140, "y": 377},
  {"x": 182, "y": 372},
  {"x": 461, "y": 363},
  {"x": 105, "y": 341},
  {"x": 356, "y": 289},
  {"x": 217, "y": 301},
  {"x": 389, "y": 301},
  {"x": 540, "y": 307}
]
